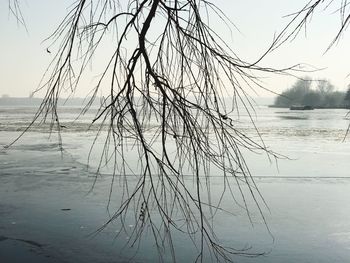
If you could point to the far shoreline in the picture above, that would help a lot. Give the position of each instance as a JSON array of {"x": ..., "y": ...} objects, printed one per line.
[{"x": 315, "y": 107}]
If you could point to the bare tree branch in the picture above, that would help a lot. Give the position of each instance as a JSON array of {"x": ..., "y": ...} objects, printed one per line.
[{"x": 167, "y": 78}]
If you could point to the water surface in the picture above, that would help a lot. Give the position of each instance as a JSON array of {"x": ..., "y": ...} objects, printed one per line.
[{"x": 48, "y": 213}]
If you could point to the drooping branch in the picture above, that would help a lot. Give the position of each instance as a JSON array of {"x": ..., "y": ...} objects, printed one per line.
[
  {"x": 165, "y": 82},
  {"x": 175, "y": 73}
]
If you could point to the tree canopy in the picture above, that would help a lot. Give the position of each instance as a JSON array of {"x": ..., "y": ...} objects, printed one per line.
[
  {"x": 347, "y": 95},
  {"x": 301, "y": 93}
]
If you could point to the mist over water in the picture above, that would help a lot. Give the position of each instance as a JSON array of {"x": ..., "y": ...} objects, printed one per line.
[{"x": 46, "y": 205}]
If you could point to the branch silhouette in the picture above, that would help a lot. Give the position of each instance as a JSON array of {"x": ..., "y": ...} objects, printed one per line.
[{"x": 168, "y": 76}]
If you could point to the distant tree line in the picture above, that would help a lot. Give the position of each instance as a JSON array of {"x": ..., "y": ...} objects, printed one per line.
[{"x": 322, "y": 96}]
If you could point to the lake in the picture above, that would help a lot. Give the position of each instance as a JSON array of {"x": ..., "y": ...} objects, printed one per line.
[{"x": 49, "y": 211}]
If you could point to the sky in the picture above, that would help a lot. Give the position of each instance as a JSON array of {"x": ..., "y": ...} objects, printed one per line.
[{"x": 23, "y": 56}]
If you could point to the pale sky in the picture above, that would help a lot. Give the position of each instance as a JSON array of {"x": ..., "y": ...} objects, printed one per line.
[{"x": 24, "y": 59}]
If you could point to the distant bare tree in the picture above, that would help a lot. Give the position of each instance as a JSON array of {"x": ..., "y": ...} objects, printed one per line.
[
  {"x": 324, "y": 86},
  {"x": 347, "y": 96},
  {"x": 168, "y": 66}
]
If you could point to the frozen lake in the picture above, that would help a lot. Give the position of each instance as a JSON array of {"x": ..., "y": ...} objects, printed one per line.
[{"x": 48, "y": 213}]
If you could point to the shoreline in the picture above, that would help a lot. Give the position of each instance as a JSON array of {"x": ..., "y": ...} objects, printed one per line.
[{"x": 315, "y": 107}]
